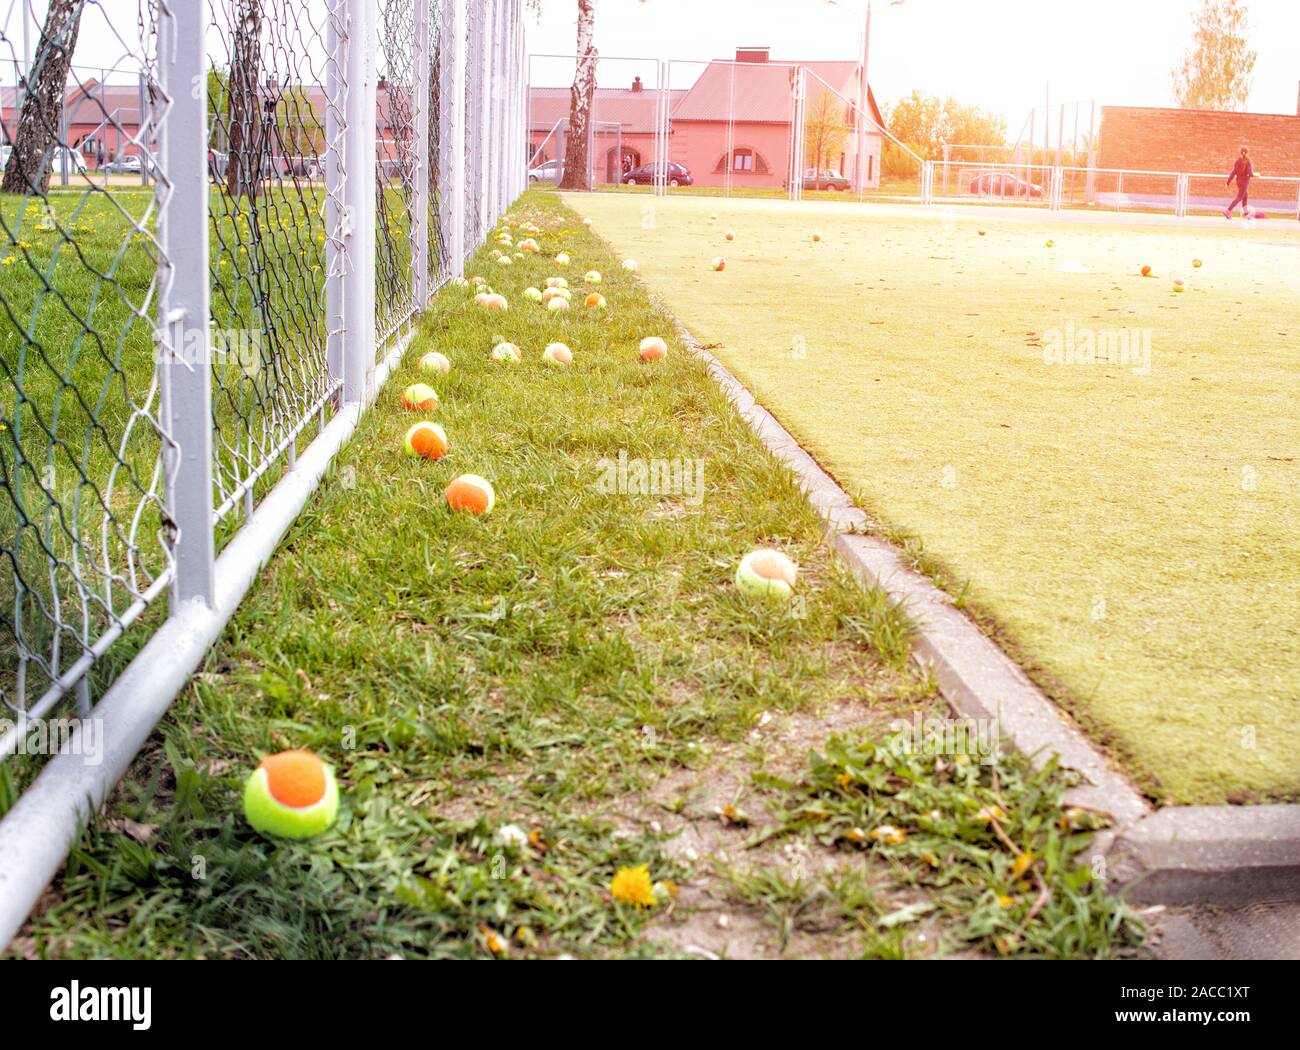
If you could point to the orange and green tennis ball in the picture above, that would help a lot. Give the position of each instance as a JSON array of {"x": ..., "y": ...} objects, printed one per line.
[
  {"x": 730, "y": 235},
  {"x": 492, "y": 300},
  {"x": 426, "y": 439},
  {"x": 595, "y": 301},
  {"x": 592, "y": 277},
  {"x": 556, "y": 293},
  {"x": 557, "y": 304},
  {"x": 419, "y": 397},
  {"x": 556, "y": 282},
  {"x": 1146, "y": 271},
  {"x": 1178, "y": 285},
  {"x": 562, "y": 259},
  {"x": 817, "y": 237},
  {"x": 653, "y": 348},
  {"x": 433, "y": 361},
  {"x": 629, "y": 265},
  {"x": 292, "y": 794},
  {"x": 719, "y": 263},
  {"x": 472, "y": 493},
  {"x": 766, "y": 573},
  {"x": 506, "y": 354},
  {"x": 557, "y": 354}
]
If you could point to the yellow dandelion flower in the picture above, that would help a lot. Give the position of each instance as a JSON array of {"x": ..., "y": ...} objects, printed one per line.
[
  {"x": 990, "y": 813},
  {"x": 8, "y": 260},
  {"x": 844, "y": 780},
  {"x": 493, "y": 940},
  {"x": 1004, "y": 901},
  {"x": 889, "y": 835},
  {"x": 1023, "y": 861},
  {"x": 633, "y": 886}
]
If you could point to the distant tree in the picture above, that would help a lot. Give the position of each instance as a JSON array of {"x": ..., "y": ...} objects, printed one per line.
[
  {"x": 42, "y": 110},
  {"x": 926, "y": 122},
  {"x": 825, "y": 130},
  {"x": 1215, "y": 73},
  {"x": 576, "y": 174}
]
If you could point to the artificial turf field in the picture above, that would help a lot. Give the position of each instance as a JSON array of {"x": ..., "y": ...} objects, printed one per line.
[{"x": 1129, "y": 534}]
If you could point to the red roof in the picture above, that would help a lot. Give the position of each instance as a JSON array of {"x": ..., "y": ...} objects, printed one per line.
[
  {"x": 633, "y": 110},
  {"x": 759, "y": 92}
]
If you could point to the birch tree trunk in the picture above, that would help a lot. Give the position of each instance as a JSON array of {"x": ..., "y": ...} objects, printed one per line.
[
  {"x": 576, "y": 173},
  {"x": 244, "y": 168},
  {"x": 42, "y": 111}
]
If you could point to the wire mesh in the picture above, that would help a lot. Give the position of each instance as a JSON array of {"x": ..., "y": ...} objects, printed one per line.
[
  {"x": 397, "y": 99},
  {"x": 267, "y": 115},
  {"x": 84, "y": 535}
]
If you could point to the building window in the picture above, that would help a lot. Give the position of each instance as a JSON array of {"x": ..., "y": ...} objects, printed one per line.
[{"x": 744, "y": 161}]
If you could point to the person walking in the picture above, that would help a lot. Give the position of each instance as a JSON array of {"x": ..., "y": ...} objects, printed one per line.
[{"x": 1243, "y": 173}]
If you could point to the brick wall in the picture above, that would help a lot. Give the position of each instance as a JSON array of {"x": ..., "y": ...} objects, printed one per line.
[{"x": 1195, "y": 140}]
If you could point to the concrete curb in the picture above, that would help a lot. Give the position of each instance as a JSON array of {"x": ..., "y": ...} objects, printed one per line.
[{"x": 1222, "y": 855}]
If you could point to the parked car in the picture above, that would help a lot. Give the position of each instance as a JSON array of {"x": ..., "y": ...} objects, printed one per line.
[
  {"x": 826, "y": 179},
  {"x": 1003, "y": 184},
  {"x": 677, "y": 174},
  {"x": 547, "y": 171},
  {"x": 131, "y": 164}
]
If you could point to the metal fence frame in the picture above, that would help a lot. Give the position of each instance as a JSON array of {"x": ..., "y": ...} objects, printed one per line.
[{"x": 478, "y": 170}]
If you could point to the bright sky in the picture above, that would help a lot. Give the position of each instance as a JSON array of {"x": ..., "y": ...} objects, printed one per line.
[{"x": 998, "y": 54}]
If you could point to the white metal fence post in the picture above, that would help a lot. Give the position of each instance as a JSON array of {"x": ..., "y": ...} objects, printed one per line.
[
  {"x": 420, "y": 259},
  {"x": 451, "y": 133},
  {"x": 336, "y": 43},
  {"x": 359, "y": 204},
  {"x": 183, "y": 343},
  {"x": 483, "y": 121}
]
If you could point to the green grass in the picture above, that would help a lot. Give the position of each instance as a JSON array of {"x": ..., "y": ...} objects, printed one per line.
[
  {"x": 1130, "y": 537},
  {"x": 558, "y": 665}
]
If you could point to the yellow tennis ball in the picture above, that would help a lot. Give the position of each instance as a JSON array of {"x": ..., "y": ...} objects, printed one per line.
[
  {"x": 472, "y": 493},
  {"x": 426, "y": 439},
  {"x": 557, "y": 304},
  {"x": 506, "y": 354},
  {"x": 592, "y": 277},
  {"x": 766, "y": 573},
  {"x": 533, "y": 294},
  {"x": 435, "y": 362},
  {"x": 653, "y": 348},
  {"x": 557, "y": 354},
  {"x": 419, "y": 397},
  {"x": 292, "y": 794}
]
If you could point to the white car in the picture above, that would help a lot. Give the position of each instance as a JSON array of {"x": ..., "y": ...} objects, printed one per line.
[
  {"x": 76, "y": 162},
  {"x": 548, "y": 171}
]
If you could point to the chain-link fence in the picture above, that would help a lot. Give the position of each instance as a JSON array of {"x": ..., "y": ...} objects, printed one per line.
[{"x": 218, "y": 221}]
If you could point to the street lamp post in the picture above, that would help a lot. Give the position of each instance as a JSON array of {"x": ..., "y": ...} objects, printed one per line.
[{"x": 859, "y": 175}]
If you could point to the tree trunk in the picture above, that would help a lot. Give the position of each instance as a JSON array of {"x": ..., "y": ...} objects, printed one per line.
[
  {"x": 576, "y": 175},
  {"x": 244, "y": 167},
  {"x": 42, "y": 111}
]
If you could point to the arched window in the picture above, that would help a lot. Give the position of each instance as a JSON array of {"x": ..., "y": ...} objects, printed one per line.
[{"x": 744, "y": 161}]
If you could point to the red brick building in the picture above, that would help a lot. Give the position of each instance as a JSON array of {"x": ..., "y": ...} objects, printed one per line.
[{"x": 1204, "y": 143}]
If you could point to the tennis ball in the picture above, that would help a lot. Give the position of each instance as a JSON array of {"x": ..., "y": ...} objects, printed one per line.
[
  {"x": 459, "y": 282},
  {"x": 556, "y": 282},
  {"x": 557, "y": 354},
  {"x": 982, "y": 232},
  {"x": 505, "y": 354},
  {"x": 435, "y": 362},
  {"x": 766, "y": 573},
  {"x": 592, "y": 277},
  {"x": 557, "y": 304},
  {"x": 1196, "y": 264},
  {"x": 426, "y": 439},
  {"x": 530, "y": 246},
  {"x": 1178, "y": 285},
  {"x": 629, "y": 265},
  {"x": 562, "y": 259},
  {"x": 470, "y": 492},
  {"x": 492, "y": 300},
  {"x": 713, "y": 215},
  {"x": 1146, "y": 271},
  {"x": 586, "y": 223},
  {"x": 653, "y": 348},
  {"x": 505, "y": 260},
  {"x": 595, "y": 301},
  {"x": 556, "y": 293},
  {"x": 478, "y": 280},
  {"x": 496, "y": 253},
  {"x": 533, "y": 294},
  {"x": 1049, "y": 244},
  {"x": 816, "y": 237},
  {"x": 419, "y": 397},
  {"x": 730, "y": 235},
  {"x": 292, "y": 794},
  {"x": 719, "y": 263}
]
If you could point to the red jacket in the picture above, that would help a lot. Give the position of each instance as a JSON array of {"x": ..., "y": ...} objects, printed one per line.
[{"x": 1242, "y": 171}]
